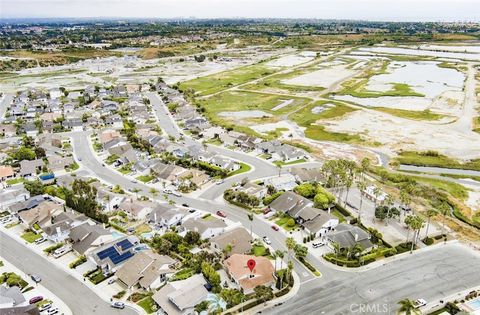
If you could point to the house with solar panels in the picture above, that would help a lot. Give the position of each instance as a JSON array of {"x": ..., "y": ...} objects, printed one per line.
[{"x": 112, "y": 255}]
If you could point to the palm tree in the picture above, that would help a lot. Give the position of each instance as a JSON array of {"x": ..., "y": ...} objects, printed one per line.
[
  {"x": 389, "y": 204},
  {"x": 280, "y": 254},
  {"x": 430, "y": 213},
  {"x": 365, "y": 166},
  {"x": 405, "y": 199},
  {"x": 408, "y": 307},
  {"x": 250, "y": 218},
  {"x": 362, "y": 185},
  {"x": 376, "y": 194},
  {"x": 356, "y": 250},
  {"x": 290, "y": 243},
  {"x": 336, "y": 248},
  {"x": 274, "y": 256}
]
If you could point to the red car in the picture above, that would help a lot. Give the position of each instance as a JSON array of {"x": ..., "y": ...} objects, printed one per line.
[
  {"x": 275, "y": 228},
  {"x": 221, "y": 214},
  {"x": 35, "y": 299}
]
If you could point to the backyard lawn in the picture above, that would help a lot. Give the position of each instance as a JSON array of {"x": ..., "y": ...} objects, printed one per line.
[{"x": 243, "y": 169}]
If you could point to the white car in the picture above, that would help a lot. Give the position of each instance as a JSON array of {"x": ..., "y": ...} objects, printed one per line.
[
  {"x": 52, "y": 311},
  {"x": 319, "y": 244},
  {"x": 167, "y": 191},
  {"x": 266, "y": 240},
  {"x": 176, "y": 194},
  {"x": 219, "y": 182},
  {"x": 119, "y": 305},
  {"x": 419, "y": 303},
  {"x": 40, "y": 240},
  {"x": 62, "y": 251}
]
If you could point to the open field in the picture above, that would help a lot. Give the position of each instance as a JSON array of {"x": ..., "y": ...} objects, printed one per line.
[
  {"x": 436, "y": 160},
  {"x": 224, "y": 80}
]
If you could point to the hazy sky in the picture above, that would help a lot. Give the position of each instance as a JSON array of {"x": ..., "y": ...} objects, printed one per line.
[{"x": 398, "y": 10}]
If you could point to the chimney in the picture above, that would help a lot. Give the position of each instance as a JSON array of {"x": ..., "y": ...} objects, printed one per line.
[
  {"x": 59, "y": 231},
  {"x": 155, "y": 217},
  {"x": 356, "y": 237}
]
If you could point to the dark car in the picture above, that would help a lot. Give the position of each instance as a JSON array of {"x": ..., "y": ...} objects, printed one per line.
[
  {"x": 185, "y": 205},
  {"x": 221, "y": 214},
  {"x": 35, "y": 299},
  {"x": 275, "y": 228},
  {"x": 36, "y": 278}
]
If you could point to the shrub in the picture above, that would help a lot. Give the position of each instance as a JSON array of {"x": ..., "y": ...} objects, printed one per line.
[
  {"x": 53, "y": 248},
  {"x": 428, "y": 241},
  {"x": 119, "y": 295}
]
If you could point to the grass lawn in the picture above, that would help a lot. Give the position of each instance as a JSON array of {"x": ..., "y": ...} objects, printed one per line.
[
  {"x": 14, "y": 181},
  {"x": 456, "y": 190},
  {"x": 283, "y": 223},
  {"x": 220, "y": 81},
  {"x": 234, "y": 101},
  {"x": 31, "y": 237},
  {"x": 143, "y": 228},
  {"x": 11, "y": 225},
  {"x": 305, "y": 118},
  {"x": 340, "y": 216},
  {"x": 145, "y": 178},
  {"x": 411, "y": 114},
  {"x": 183, "y": 274},
  {"x": 434, "y": 159},
  {"x": 281, "y": 163},
  {"x": 243, "y": 169},
  {"x": 259, "y": 250},
  {"x": 148, "y": 304}
]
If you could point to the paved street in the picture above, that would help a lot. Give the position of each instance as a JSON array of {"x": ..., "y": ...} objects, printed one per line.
[
  {"x": 77, "y": 296},
  {"x": 83, "y": 149},
  {"x": 4, "y": 103},
  {"x": 431, "y": 275}
]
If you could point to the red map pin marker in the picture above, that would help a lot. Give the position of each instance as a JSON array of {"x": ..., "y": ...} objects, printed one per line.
[{"x": 251, "y": 264}]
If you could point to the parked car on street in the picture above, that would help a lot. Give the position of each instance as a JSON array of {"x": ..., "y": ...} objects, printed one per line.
[
  {"x": 266, "y": 240},
  {"x": 35, "y": 299},
  {"x": 52, "y": 311},
  {"x": 45, "y": 306},
  {"x": 119, "y": 305},
  {"x": 36, "y": 278},
  {"x": 419, "y": 303},
  {"x": 221, "y": 214},
  {"x": 275, "y": 228},
  {"x": 319, "y": 244}
]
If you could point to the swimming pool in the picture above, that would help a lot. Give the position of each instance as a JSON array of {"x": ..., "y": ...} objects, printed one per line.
[
  {"x": 474, "y": 304},
  {"x": 116, "y": 235}
]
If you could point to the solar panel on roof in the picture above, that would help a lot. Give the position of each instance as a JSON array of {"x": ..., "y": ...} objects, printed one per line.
[
  {"x": 125, "y": 244},
  {"x": 106, "y": 252},
  {"x": 120, "y": 258}
]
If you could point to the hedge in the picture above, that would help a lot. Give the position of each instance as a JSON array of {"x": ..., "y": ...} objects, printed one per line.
[
  {"x": 52, "y": 248},
  {"x": 77, "y": 262}
]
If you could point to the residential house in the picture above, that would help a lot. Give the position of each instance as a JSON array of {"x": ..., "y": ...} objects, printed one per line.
[
  {"x": 311, "y": 175},
  {"x": 88, "y": 237},
  {"x": 284, "y": 182},
  {"x": 30, "y": 203},
  {"x": 282, "y": 152},
  {"x": 61, "y": 226},
  {"x": 319, "y": 223},
  {"x": 248, "y": 280},
  {"x": 30, "y": 129},
  {"x": 166, "y": 216},
  {"x": 253, "y": 190},
  {"x": 58, "y": 164},
  {"x": 13, "y": 195},
  {"x": 225, "y": 163},
  {"x": 290, "y": 203},
  {"x": 8, "y": 130},
  {"x": 42, "y": 214},
  {"x": 146, "y": 269},
  {"x": 168, "y": 172},
  {"x": 111, "y": 256},
  {"x": 108, "y": 135},
  {"x": 6, "y": 172},
  {"x": 136, "y": 208},
  {"x": 30, "y": 168},
  {"x": 180, "y": 297},
  {"x": 346, "y": 236},
  {"x": 207, "y": 227},
  {"x": 239, "y": 240}
]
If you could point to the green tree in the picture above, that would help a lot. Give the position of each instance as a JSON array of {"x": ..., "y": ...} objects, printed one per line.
[
  {"x": 407, "y": 307},
  {"x": 232, "y": 297},
  {"x": 306, "y": 190},
  {"x": 290, "y": 243},
  {"x": 34, "y": 188},
  {"x": 300, "y": 251},
  {"x": 263, "y": 293},
  {"x": 24, "y": 153},
  {"x": 430, "y": 213},
  {"x": 362, "y": 185}
]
